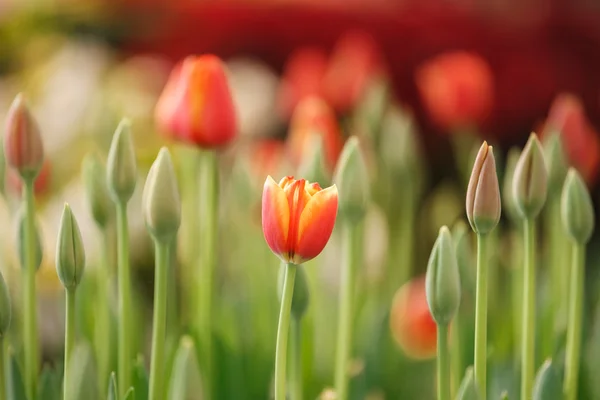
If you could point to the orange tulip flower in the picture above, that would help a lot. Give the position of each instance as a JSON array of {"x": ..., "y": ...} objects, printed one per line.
[
  {"x": 297, "y": 218},
  {"x": 196, "y": 104},
  {"x": 411, "y": 323}
]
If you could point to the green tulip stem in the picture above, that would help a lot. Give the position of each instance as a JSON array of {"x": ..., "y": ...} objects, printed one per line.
[
  {"x": 443, "y": 363},
  {"x": 157, "y": 364},
  {"x": 352, "y": 246},
  {"x": 69, "y": 339},
  {"x": 124, "y": 299},
  {"x": 573, "y": 350},
  {"x": 481, "y": 315},
  {"x": 295, "y": 376},
  {"x": 31, "y": 345},
  {"x": 209, "y": 220},
  {"x": 282, "y": 331},
  {"x": 528, "y": 324},
  {"x": 102, "y": 325}
]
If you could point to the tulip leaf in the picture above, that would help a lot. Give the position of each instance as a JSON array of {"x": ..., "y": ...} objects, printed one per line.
[
  {"x": 185, "y": 376},
  {"x": 50, "y": 387},
  {"x": 112, "y": 387},
  {"x": 130, "y": 395},
  {"x": 140, "y": 379},
  {"x": 82, "y": 375},
  {"x": 16, "y": 388}
]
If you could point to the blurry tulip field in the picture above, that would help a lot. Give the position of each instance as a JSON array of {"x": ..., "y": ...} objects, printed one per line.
[{"x": 211, "y": 229}]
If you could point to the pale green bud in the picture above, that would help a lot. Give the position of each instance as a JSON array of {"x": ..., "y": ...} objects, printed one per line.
[
  {"x": 577, "y": 208},
  {"x": 70, "y": 254},
  {"x": 508, "y": 199},
  {"x": 313, "y": 166},
  {"x": 21, "y": 240},
  {"x": 121, "y": 167},
  {"x": 547, "y": 384},
  {"x": 556, "y": 161},
  {"x": 160, "y": 200},
  {"x": 483, "y": 193},
  {"x": 442, "y": 281},
  {"x": 5, "y": 307},
  {"x": 94, "y": 178},
  {"x": 530, "y": 181},
  {"x": 468, "y": 388},
  {"x": 301, "y": 296},
  {"x": 352, "y": 180}
]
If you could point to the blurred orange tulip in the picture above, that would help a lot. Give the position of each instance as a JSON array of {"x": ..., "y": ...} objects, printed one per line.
[
  {"x": 196, "y": 104},
  {"x": 297, "y": 218},
  {"x": 457, "y": 89},
  {"x": 302, "y": 77},
  {"x": 314, "y": 116},
  {"x": 411, "y": 323},
  {"x": 582, "y": 145}
]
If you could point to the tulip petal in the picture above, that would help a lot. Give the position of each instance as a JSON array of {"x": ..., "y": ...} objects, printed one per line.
[
  {"x": 316, "y": 224},
  {"x": 275, "y": 217}
]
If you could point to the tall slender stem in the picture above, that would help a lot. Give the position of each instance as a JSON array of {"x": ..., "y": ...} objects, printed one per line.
[
  {"x": 352, "y": 245},
  {"x": 210, "y": 214},
  {"x": 282, "y": 331},
  {"x": 31, "y": 347},
  {"x": 124, "y": 299},
  {"x": 573, "y": 352},
  {"x": 2, "y": 369},
  {"x": 102, "y": 326},
  {"x": 481, "y": 316},
  {"x": 69, "y": 339},
  {"x": 456, "y": 354},
  {"x": 157, "y": 364},
  {"x": 528, "y": 324},
  {"x": 443, "y": 363},
  {"x": 295, "y": 376}
]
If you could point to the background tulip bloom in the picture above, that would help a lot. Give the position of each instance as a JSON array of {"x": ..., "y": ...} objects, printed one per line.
[
  {"x": 196, "y": 105},
  {"x": 298, "y": 218}
]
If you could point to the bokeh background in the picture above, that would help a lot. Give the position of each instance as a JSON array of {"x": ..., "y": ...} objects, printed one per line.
[{"x": 464, "y": 70}]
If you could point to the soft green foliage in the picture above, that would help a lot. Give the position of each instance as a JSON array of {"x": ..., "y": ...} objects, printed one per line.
[
  {"x": 186, "y": 382},
  {"x": 112, "y": 388},
  {"x": 577, "y": 208},
  {"x": 468, "y": 387},
  {"x": 547, "y": 383},
  {"x": 5, "y": 307}
]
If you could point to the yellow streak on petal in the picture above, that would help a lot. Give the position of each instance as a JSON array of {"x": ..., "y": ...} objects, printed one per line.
[{"x": 276, "y": 216}]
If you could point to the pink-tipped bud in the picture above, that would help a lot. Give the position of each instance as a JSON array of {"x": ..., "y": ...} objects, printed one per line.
[
  {"x": 483, "y": 193},
  {"x": 23, "y": 147}
]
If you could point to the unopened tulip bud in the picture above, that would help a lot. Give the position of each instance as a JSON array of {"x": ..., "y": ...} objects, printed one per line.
[
  {"x": 301, "y": 297},
  {"x": 121, "y": 167},
  {"x": 352, "y": 179},
  {"x": 483, "y": 193},
  {"x": 313, "y": 166},
  {"x": 530, "y": 181},
  {"x": 21, "y": 241},
  {"x": 442, "y": 281},
  {"x": 161, "y": 202},
  {"x": 556, "y": 162},
  {"x": 112, "y": 387},
  {"x": 468, "y": 388},
  {"x": 508, "y": 199},
  {"x": 94, "y": 179},
  {"x": 5, "y": 307},
  {"x": 23, "y": 146},
  {"x": 547, "y": 383},
  {"x": 577, "y": 208},
  {"x": 70, "y": 254}
]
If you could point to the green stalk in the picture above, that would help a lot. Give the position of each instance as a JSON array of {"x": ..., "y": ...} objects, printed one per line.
[
  {"x": 456, "y": 353},
  {"x": 481, "y": 315},
  {"x": 210, "y": 214},
  {"x": 102, "y": 326},
  {"x": 295, "y": 376},
  {"x": 573, "y": 351},
  {"x": 157, "y": 364},
  {"x": 124, "y": 299},
  {"x": 69, "y": 339},
  {"x": 443, "y": 363},
  {"x": 282, "y": 331},
  {"x": 31, "y": 345},
  {"x": 528, "y": 324},
  {"x": 2, "y": 369},
  {"x": 352, "y": 245}
]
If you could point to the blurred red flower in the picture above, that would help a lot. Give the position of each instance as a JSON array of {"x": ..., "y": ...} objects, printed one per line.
[
  {"x": 582, "y": 145},
  {"x": 40, "y": 185},
  {"x": 266, "y": 157},
  {"x": 314, "y": 116},
  {"x": 456, "y": 88},
  {"x": 411, "y": 323},
  {"x": 302, "y": 77},
  {"x": 196, "y": 104},
  {"x": 355, "y": 60}
]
